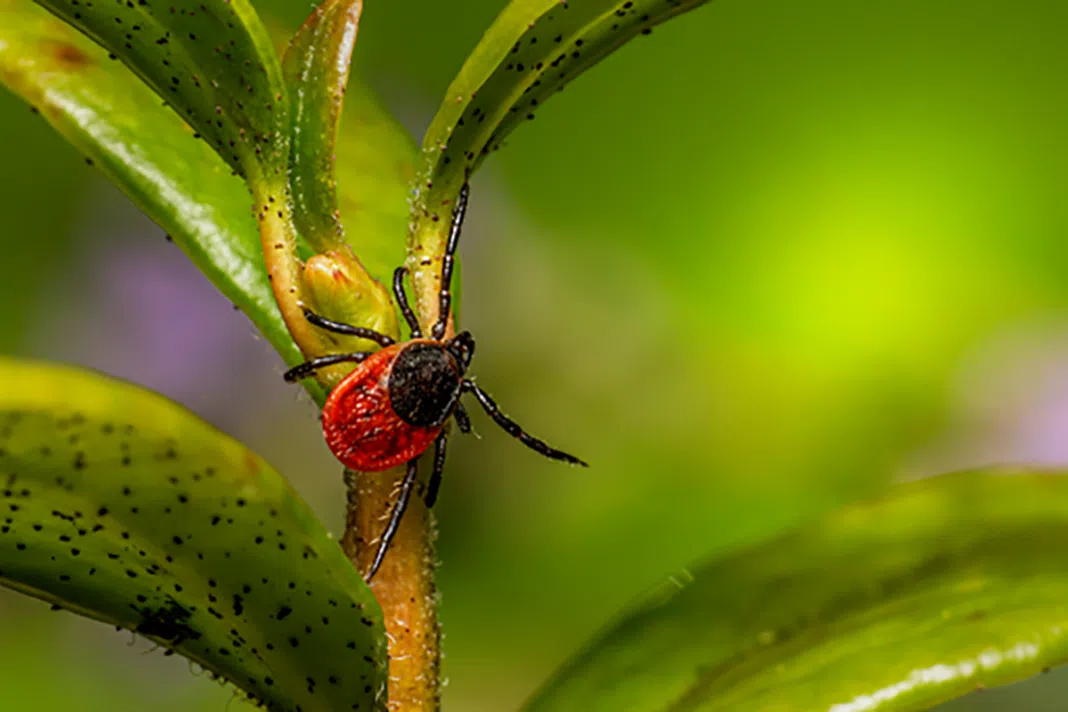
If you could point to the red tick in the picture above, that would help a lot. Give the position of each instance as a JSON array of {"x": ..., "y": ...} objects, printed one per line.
[{"x": 396, "y": 403}]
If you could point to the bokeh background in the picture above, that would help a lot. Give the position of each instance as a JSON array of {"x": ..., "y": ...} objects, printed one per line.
[{"x": 753, "y": 266}]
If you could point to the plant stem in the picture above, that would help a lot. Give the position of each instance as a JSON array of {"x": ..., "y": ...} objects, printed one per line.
[
  {"x": 279, "y": 242},
  {"x": 426, "y": 248},
  {"x": 404, "y": 585}
]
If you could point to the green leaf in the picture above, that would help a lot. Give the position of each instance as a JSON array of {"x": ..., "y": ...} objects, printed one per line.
[
  {"x": 337, "y": 284},
  {"x": 944, "y": 586},
  {"x": 122, "y": 506},
  {"x": 316, "y": 66},
  {"x": 352, "y": 161},
  {"x": 145, "y": 149},
  {"x": 214, "y": 63},
  {"x": 151, "y": 154},
  {"x": 530, "y": 52},
  {"x": 211, "y": 60}
]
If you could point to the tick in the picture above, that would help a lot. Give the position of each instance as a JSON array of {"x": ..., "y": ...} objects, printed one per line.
[{"x": 396, "y": 403}]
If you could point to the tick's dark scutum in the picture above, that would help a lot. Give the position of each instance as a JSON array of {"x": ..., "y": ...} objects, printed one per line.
[{"x": 424, "y": 384}]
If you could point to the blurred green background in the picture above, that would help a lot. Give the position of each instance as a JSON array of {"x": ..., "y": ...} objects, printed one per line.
[{"x": 753, "y": 266}]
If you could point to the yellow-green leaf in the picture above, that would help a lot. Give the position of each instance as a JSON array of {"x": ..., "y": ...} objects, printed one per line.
[
  {"x": 531, "y": 51},
  {"x": 120, "y": 505},
  {"x": 150, "y": 153},
  {"x": 942, "y": 586},
  {"x": 316, "y": 66},
  {"x": 211, "y": 60}
]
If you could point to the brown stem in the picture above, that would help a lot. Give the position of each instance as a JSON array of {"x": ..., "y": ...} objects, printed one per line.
[
  {"x": 341, "y": 289},
  {"x": 403, "y": 586}
]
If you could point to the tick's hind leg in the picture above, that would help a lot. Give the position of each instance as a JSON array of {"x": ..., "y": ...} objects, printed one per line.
[
  {"x": 308, "y": 368},
  {"x": 439, "y": 467},
  {"x": 395, "y": 516},
  {"x": 462, "y": 421},
  {"x": 347, "y": 329},
  {"x": 512, "y": 428},
  {"x": 462, "y": 347}
]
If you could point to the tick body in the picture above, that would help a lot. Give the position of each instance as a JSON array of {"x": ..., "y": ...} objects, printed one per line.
[
  {"x": 393, "y": 406},
  {"x": 396, "y": 403}
]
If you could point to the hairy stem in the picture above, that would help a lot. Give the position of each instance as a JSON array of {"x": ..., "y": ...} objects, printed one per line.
[
  {"x": 403, "y": 586},
  {"x": 426, "y": 249},
  {"x": 279, "y": 241}
]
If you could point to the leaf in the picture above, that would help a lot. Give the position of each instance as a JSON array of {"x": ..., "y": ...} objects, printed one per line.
[
  {"x": 371, "y": 161},
  {"x": 337, "y": 285},
  {"x": 349, "y": 158},
  {"x": 530, "y": 52},
  {"x": 211, "y": 60},
  {"x": 944, "y": 586},
  {"x": 122, "y": 506},
  {"x": 214, "y": 63},
  {"x": 148, "y": 151},
  {"x": 316, "y": 66}
]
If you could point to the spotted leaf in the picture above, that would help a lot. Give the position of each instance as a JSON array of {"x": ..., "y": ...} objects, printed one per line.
[
  {"x": 112, "y": 117},
  {"x": 943, "y": 586},
  {"x": 530, "y": 52},
  {"x": 122, "y": 506},
  {"x": 211, "y": 60},
  {"x": 147, "y": 150}
]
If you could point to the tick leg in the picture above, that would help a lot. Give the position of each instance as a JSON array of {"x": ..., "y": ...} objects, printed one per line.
[
  {"x": 439, "y": 466},
  {"x": 513, "y": 429},
  {"x": 462, "y": 347},
  {"x": 462, "y": 421},
  {"x": 338, "y": 328},
  {"x": 395, "y": 516},
  {"x": 445, "y": 295},
  {"x": 310, "y": 367},
  {"x": 402, "y": 302}
]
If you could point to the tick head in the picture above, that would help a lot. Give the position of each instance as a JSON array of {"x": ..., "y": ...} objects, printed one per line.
[
  {"x": 424, "y": 383},
  {"x": 462, "y": 347}
]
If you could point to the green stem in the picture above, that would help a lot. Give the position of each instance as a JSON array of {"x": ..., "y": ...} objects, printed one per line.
[{"x": 279, "y": 241}]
